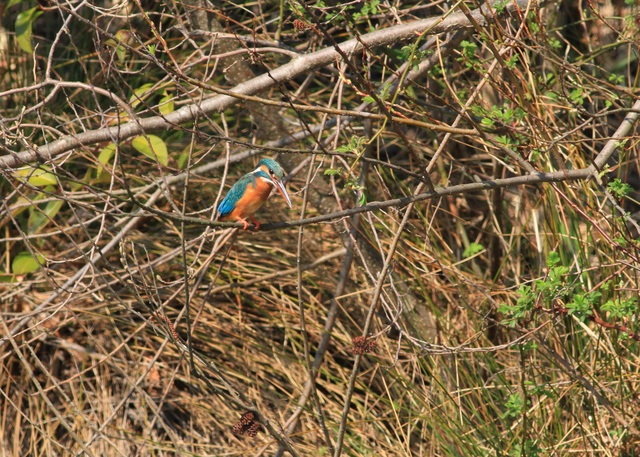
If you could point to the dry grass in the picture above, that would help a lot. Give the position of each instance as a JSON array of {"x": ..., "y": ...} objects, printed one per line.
[{"x": 157, "y": 347}]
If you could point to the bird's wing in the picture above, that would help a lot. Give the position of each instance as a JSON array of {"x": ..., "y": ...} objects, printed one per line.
[{"x": 235, "y": 193}]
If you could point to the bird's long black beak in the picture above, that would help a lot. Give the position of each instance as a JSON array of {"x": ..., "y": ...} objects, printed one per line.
[{"x": 282, "y": 190}]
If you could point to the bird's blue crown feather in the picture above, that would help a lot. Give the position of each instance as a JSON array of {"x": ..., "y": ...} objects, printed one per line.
[{"x": 273, "y": 166}]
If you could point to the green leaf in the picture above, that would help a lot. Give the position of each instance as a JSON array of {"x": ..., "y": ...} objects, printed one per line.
[
  {"x": 39, "y": 219},
  {"x": 7, "y": 278},
  {"x": 355, "y": 145},
  {"x": 553, "y": 259},
  {"x": 15, "y": 2},
  {"x": 123, "y": 36},
  {"x": 140, "y": 94},
  {"x": 500, "y": 5},
  {"x": 121, "y": 52},
  {"x": 25, "y": 263},
  {"x": 530, "y": 449},
  {"x": 153, "y": 147},
  {"x": 24, "y": 21},
  {"x": 363, "y": 199},
  {"x": 504, "y": 139},
  {"x": 37, "y": 175},
  {"x": 21, "y": 205},
  {"x": 105, "y": 156},
  {"x": 183, "y": 160},
  {"x": 166, "y": 105},
  {"x": 333, "y": 171}
]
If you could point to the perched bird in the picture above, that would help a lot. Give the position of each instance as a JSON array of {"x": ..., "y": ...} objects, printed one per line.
[{"x": 251, "y": 192}]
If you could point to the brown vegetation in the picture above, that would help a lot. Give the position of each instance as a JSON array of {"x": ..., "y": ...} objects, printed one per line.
[{"x": 458, "y": 275}]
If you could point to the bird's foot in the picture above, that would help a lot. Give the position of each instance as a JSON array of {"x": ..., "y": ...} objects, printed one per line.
[
  {"x": 246, "y": 224},
  {"x": 257, "y": 224}
]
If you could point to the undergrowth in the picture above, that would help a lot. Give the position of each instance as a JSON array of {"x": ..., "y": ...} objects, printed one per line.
[{"x": 506, "y": 323}]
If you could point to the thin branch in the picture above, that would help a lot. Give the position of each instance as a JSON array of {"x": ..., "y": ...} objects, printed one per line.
[{"x": 557, "y": 176}]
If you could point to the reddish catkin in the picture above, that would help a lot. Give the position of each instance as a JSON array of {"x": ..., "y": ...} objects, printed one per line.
[{"x": 363, "y": 345}]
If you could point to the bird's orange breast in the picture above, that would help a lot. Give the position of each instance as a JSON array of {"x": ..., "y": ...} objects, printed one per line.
[{"x": 253, "y": 198}]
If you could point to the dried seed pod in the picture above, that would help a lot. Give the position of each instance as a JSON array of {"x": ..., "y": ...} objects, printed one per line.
[{"x": 362, "y": 345}]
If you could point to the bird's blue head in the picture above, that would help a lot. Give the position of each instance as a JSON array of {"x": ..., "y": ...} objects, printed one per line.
[
  {"x": 271, "y": 167},
  {"x": 271, "y": 171}
]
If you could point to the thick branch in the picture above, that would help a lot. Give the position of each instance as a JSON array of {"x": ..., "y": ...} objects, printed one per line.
[{"x": 260, "y": 83}]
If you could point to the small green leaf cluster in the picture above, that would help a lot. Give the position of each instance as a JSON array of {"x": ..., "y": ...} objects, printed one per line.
[
  {"x": 515, "y": 405},
  {"x": 412, "y": 55},
  {"x": 340, "y": 13},
  {"x": 619, "y": 189},
  {"x": 472, "y": 250},
  {"x": 355, "y": 146},
  {"x": 145, "y": 92},
  {"x": 297, "y": 9},
  {"x": 42, "y": 206},
  {"x": 617, "y": 79},
  {"x": 151, "y": 146},
  {"x": 555, "y": 286},
  {"x": 354, "y": 186},
  {"x": 554, "y": 43},
  {"x": 511, "y": 141},
  {"x": 621, "y": 308},
  {"x": 469, "y": 54},
  {"x": 383, "y": 95},
  {"x": 560, "y": 286},
  {"x": 529, "y": 449},
  {"x": 512, "y": 61},
  {"x": 539, "y": 390},
  {"x": 523, "y": 307},
  {"x": 582, "y": 304},
  {"x": 505, "y": 115},
  {"x": 367, "y": 9},
  {"x": 350, "y": 183},
  {"x": 334, "y": 171},
  {"x": 535, "y": 154},
  {"x": 578, "y": 95},
  {"x": 499, "y": 6}
]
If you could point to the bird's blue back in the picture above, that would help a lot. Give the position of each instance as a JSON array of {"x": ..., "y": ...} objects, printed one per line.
[{"x": 235, "y": 193}]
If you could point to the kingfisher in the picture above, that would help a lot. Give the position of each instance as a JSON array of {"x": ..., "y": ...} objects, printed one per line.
[{"x": 251, "y": 192}]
